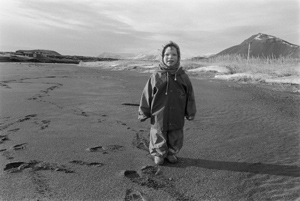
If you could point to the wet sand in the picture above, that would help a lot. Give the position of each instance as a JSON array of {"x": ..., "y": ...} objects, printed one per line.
[{"x": 71, "y": 133}]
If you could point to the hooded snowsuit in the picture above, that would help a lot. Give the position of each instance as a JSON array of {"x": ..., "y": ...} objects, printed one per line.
[{"x": 167, "y": 99}]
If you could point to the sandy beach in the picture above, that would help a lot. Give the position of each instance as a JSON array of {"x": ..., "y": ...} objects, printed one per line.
[{"x": 71, "y": 133}]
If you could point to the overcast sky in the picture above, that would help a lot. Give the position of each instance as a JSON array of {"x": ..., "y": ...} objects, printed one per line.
[{"x": 90, "y": 27}]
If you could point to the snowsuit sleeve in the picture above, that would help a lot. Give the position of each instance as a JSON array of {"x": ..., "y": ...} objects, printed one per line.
[
  {"x": 145, "y": 102},
  {"x": 190, "y": 110}
]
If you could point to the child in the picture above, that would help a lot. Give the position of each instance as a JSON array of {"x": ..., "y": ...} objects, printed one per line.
[{"x": 167, "y": 98}]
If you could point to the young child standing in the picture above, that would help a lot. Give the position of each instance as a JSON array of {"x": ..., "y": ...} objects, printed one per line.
[{"x": 167, "y": 99}]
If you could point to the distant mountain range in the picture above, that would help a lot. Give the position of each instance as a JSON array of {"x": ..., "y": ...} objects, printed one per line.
[
  {"x": 115, "y": 55},
  {"x": 38, "y": 51},
  {"x": 148, "y": 57},
  {"x": 263, "y": 45},
  {"x": 45, "y": 56}
]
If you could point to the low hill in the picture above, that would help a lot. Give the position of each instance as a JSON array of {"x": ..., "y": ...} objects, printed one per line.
[
  {"x": 45, "y": 56},
  {"x": 263, "y": 45},
  {"x": 38, "y": 51},
  {"x": 115, "y": 55}
]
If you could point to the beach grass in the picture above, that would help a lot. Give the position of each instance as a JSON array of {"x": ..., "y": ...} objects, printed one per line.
[{"x": 277, "y": 67}]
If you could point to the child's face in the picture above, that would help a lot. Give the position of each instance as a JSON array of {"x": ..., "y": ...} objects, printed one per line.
[{"x": 170, "y": 56}]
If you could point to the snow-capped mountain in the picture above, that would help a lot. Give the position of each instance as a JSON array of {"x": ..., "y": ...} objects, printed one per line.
[
  {"x": 145, "y": 57},
  {"x": 264, "y": 45},
  {"x": 204, "y": 56},
  {"x": 115, "y": 55}
]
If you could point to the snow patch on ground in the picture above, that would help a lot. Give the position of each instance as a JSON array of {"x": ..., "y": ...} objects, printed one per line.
[
  {"x": 285, "y": 80},
  {"x": 221, "y": 72},
  {"x": 226, "y": 74},
  {"x": 122, "y": 65},
  {"x": 217, "y": 69},
  {"x": 263, "y": 78},
  {"x": 241, "y": 77}
]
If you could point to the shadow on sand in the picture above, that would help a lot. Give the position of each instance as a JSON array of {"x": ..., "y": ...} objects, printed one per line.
[{"x": 256, "y": 168}]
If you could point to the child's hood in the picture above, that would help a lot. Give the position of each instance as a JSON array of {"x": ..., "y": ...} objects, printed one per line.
[{"x": 177, "y": 69}]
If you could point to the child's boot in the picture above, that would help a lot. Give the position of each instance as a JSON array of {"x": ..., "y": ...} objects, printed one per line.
[
  {"x": 158, "y": 160},
  {"x": 172, "y": 158}
]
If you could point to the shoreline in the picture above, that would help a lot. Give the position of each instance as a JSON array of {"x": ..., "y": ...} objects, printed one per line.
[{"x": 288, "y": 84}]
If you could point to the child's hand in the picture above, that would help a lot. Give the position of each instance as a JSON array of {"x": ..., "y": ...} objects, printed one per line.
[
  {"x": 190, "y": 118},
  {"x": 142, "y": 118}
]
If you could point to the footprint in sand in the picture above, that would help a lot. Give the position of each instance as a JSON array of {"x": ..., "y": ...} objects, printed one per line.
[
  {"x": 149, "y": 177},
  {"x": 140, "y": 141},
  {"x": 80, "y": 112},
  {"x": 27, "y": 117},
  {"x": 132, "y": 195},
  {"x": 150, "y": 170},
  {"x": 7, "y": 154},
  {"x": 45, "y": 92},
  {"x": 131, "y": 104},
  {"x": 152, "y": 177},
  {"x": 14, "y": 130},
  {"x": 3, "y": 120},
  {"x": 122, "y": 123},
  {"x": 3, "y": 138},
  {"x": 79, "y": 162},
  {"x": 35, "y": 166},
  {"x": 43, "y": 124},
  {"x": 106, "y": 149},
  {"x": 13, "y": 165},
  {"x": 3, "y": 84},
  {"x": 19, "y": 146},
  {"x": 101, "y": 120}
]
